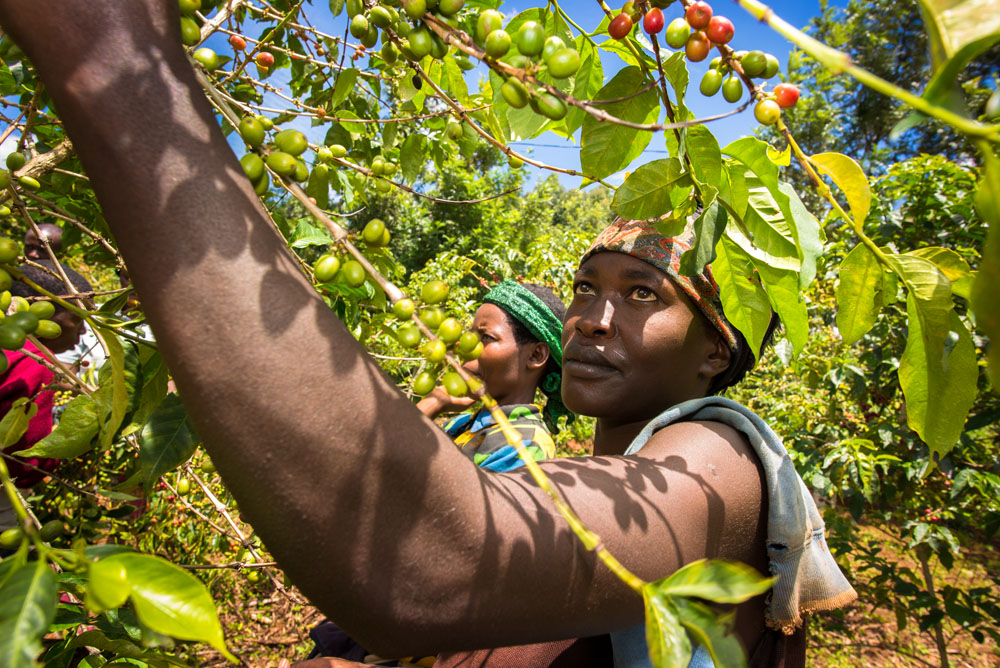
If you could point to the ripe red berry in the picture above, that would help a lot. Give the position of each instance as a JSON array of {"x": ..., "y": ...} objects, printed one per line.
[
  {"x": 237, "y": 42},
  {"x": 620, "y": 26},
  {"x": 697, "y": 47},
  {"x": 653, "y": 21},
  {"x": 265, "y": 59},
  {"x": 720, "y": 30},
  {"x": 698, "y": 14},
  {"x": 786, "y": 95},
  {"x": 934, "y": 518},
  {"x": 927, "y": 511}
]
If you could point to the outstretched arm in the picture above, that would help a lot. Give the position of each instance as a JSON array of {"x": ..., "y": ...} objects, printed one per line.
[{"x": 410, "y": 548}]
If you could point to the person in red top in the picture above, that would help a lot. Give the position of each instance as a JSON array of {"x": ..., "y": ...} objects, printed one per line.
[{"x": 27, "y": 378}]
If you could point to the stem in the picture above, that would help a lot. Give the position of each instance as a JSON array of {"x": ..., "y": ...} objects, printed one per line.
[
  {"x": 923, "y": 555},
  {"x": 841, "y": 62}
]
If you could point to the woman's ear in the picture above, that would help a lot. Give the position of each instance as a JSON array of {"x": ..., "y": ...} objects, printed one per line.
[
  {"x": 538, "y": 356},
  {"x": 719, "y": 355}
]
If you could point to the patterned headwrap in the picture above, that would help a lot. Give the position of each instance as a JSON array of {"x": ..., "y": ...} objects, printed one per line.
[
  {"x": 543, "y": 324},
  {"x": 640, "y": 239}
]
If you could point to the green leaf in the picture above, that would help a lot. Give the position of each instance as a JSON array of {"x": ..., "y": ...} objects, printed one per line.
[
  {"x": 706, "y": 158},
  {"x": 307, "y": 234},
  {"x": 850, "y": 178},
  {"x": 743, "y": 299},
  {"x": 412, "y": 156},
  {"x": 765, "y": 234},
  {"x": 27, "y": 606},
  {"x": 154, "y": 387},
  {"x": 859, "y": 293},
  {"x": 715, "y": 580},
  {"x": 345, "y": 84},
  {"x": 665, "y": 637},
  {"x": 587, "y": 82},
  {"x": 938, "y": 372},
  {"x": 318, "y": 187},
  {"x": 454, "y": 81},
  {"x": 336, "y": 6},
  {"x": 652, "y": 190},
  {"x": 808, "y": 234},
  {"x": 73, "y": 436},
  {"x": 708, "y": 228},
  {"x": 107, "y": 585},
  {"x": 15, "y": 422},
  {"x": 782, "y": 288},
  {"x": 610, "y": 147},
  {"x": 121, "y": 370},
  {"x": 985, "y": 302},
  {"x": 168, "y": 440},
  {"x": 959, "y": 30},
  {"x": 951, "y": 265},
  {"x": 713, "y": 632},
  {"x": 170, "y": 600}
]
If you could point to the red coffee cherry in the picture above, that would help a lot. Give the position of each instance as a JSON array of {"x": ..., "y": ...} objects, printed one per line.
[
  {"x": 786, "y": 95},
  {"x": 697, "y": 47},
  {"x": 698, "y": 14},
  {"x": 265, "y": 59},
  {"x": 620, "y": 26},
  {"x": 720, "y": 30},
  {"x": 653, "y": 21},
  {"x": 237, "y": 42}
]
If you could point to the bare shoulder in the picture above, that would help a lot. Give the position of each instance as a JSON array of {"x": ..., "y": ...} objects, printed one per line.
[{"x": 708, "y": 448}]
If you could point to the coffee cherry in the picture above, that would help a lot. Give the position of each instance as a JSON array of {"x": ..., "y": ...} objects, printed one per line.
[
  {"x": 253, "y": 577},
  {"x": 420, "y": 42},
  {"x": 190, "y": 32},
  {"x": 467, "y": 342},
  {"x": 454, "y": 385},
  {"x": 771, "y": 67},
  {"x": 9, "y": 251},
  {"x": 11, "y": 538},
  {"x": 389, "y": 53},
  {"x": 373, "y": 232},
  {"x": 450, "y": 7},
  {"x": 550, "y": 106},
  {"x": 48, "y": 329},
  {"x": 208, "y": 58},
  {"x": 754, "y": 63},
  {"x": 261, "y": 185},
  {"x": 653, "y": 21},
  {"x": 325, "y": 269},
  {"x": 454, "y": 130},
  {"x": 449, "y": 330},
  {"x": 710, "y": 83},
  {"x": 29, "y": 182},
  {"x": 5, "y": 283},
  {"x": 697, "y": 47},
  {"x": 51, "y": 530},
  {"x": 415, "y": 9},
  {"x": 530, "y": 38},
  {"x": 767, "y": 112},
  {"x": 433, "y": 316},
  {"x": 183, "y": 486},
  {"x": 563, "y": 63},
  {"x": 282, "y": 163},
  {"x": 514, "y": 162},
  {"x": 620, "y": 26},
  {"x": 42, "y": 310},
  {"x": 786, "y": 95},
  {"x": 26, "y": 321},
  {"x": 488, "y": 21},
  {"x": 472, "y": 354},
  {"x": 424, "y": 383},
  {"x": 189, "y": 6},
  {"x": 15, "y": 161},
  {"x": 264, "y": 121},
  {"x": 264, "y": 60},
  {"x": 409, "y": 336},
  {"x": 355, "y": 7},
  {"x": 353, "y": 273},
  {"x": 379, "y": 16},
  {"x": 438, "y": 48},
  {"x": 514, "y": 93},
  {"x": 434, "y": 351},
  {"x": 434, "y": 292},
  {"x": 4, "y": 182},
  {"x": 11, "y": 338},
  {"x": 497, "y": 44},
  {"x": 698, "y": 14},
  {"x": 359, "y": 26},
  {"x": 404, "y": 308},
  {"x": 677, "y": 33},
  {"x": 732, "y": 89},
  {"x": 552, "y": 44},
  {"x": 720, "y": 30}
]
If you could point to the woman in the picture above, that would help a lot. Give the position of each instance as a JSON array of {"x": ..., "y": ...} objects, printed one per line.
[
  {"x": 430, "y": 552},
  {"x": 519, "y": 326}
]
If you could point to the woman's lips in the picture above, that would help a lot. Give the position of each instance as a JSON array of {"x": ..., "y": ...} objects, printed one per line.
[{"x": 587, "y": 363}]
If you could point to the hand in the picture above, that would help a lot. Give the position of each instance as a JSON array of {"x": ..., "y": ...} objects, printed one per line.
[{"x": 439, "y": 401}]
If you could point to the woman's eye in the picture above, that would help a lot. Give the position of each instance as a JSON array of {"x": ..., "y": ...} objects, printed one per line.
[
  {"x": 643, "y": 295},
  {"x": 583, "y": 288}
]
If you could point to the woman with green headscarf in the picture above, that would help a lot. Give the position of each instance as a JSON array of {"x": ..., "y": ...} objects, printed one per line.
[{"x": 520, "y": 326}]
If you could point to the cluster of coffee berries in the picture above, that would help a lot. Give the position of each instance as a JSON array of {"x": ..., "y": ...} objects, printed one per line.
[
  {"x": 332, "y": 268},
  {"x": 18, "y": 317},
  {"x": 16, "y": 161},
  {"x": 450, "y": 334}
]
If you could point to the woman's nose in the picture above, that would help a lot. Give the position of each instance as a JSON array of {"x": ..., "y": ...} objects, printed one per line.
[{"x": 597, "y": 319}]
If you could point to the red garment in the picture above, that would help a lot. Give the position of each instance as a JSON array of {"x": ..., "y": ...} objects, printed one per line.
[{"x": 25, "y": 377}]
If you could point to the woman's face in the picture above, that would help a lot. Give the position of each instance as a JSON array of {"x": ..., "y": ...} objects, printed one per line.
[
  {"x": 504, "y": 365},
  {"x": 633, "y": 345}
]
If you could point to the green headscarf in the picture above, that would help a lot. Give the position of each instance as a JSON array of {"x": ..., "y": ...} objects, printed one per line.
[{"x": 543, "y": 324}]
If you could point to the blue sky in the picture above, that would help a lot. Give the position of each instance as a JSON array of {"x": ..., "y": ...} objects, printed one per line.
[{"x": 554, "y": 150}]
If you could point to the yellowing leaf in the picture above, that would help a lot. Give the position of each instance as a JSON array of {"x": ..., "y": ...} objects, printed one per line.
[
  {"x": 858, "y": 293},
  {"x": 850, "y": 178}
]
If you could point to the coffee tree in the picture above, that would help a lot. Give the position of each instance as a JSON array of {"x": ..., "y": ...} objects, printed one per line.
[{"x": 390, "y": 109}]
